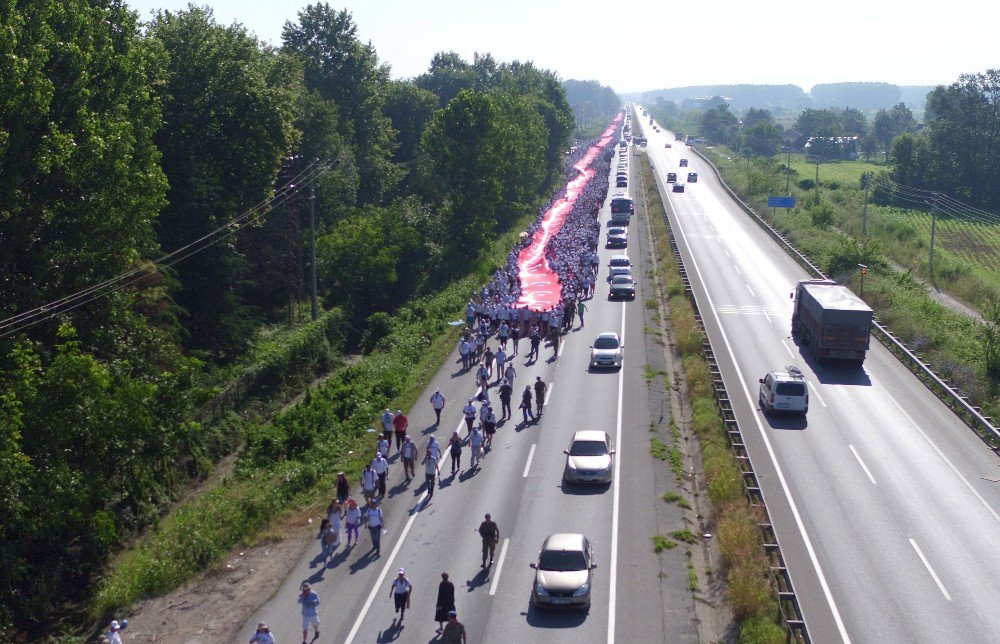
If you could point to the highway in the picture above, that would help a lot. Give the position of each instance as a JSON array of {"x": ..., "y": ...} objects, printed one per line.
[
  {"x": 881, "y": 497},
  {"x": 635, "y": 594}
]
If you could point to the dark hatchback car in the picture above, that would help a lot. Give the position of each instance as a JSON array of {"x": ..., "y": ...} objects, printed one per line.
[{"x": 678, "y": 187}]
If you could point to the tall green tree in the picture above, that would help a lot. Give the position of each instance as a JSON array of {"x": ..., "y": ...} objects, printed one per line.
[
  {"x": 229, "y": 106},
  {"x": 80, "y": 182},
  {"x": 817, "y": 123},
  {"x": 719, "y": 124},
  {"x": 410, "y": 109},
  {"x": 888, "y": 124},
  {"x": 447, "y": 75},
  {"x": 346, "y": 71},
  {"x": 964, "y": 134}
]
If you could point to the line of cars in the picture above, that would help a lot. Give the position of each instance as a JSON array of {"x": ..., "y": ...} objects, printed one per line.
[{"x": 565, "y": 567}]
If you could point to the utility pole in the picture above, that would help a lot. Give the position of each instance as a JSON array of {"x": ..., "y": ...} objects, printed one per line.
[
  {"x": 866, "y": 182},
  {"x": 788, "y": 172},
  {"x": 312, "y": 248},
  {"x": 930, "y": 263}
]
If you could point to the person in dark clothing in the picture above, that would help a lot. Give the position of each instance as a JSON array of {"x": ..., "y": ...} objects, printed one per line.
[
  {"x": 505, "y": 392},
  {"x": 490, "y": 533},
  {"x": 445, "y": 601}
]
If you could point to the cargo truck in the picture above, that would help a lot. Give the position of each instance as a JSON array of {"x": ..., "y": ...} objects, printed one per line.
[{"x": 831, "y": 321}]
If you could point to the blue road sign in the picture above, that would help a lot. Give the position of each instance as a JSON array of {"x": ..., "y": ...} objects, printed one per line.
[{"x": 781, "y": 202}]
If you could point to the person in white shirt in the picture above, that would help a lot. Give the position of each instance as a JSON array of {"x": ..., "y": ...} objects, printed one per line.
[
  {"x": 381, "y": 467},
  {"x": 408, "y": 454},
  {"x": 501, "y": 358},
  {"x": 400, "y": 592},
  {"x": 369, "y": 481},
  {"x": 262, "y": 635},
  {"x": 375, "y": 522},
  {"x": 476, "y": 440},
  {"x": 437, "y": 402},
  {"x": 431, "y": 471},
  {"x": 114, "y": 637},
  {"x": 434, "y": 447},
  {"x": 470, "y": 414}
]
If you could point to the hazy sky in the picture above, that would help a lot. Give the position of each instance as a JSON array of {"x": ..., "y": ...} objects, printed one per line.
[{"x": 650, "y": 44}]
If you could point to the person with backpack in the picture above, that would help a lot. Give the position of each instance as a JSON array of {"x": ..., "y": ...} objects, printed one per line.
[{"x": 400, "y": 592}]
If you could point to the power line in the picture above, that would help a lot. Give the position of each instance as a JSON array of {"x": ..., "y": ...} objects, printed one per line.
[{"x": 26, "y": 319}]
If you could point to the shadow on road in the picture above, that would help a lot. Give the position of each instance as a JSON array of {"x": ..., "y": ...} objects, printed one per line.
[
  {"x": 479, "y": 580},
  {"x": 585, "y": 490},
  {"x": 834, "y": 372},
  {"x": 363, "y": 562},
  {"x": 392, "y": 633},
  {"x": 554, "y": 619},
  {"x": 786, "y": 422}
]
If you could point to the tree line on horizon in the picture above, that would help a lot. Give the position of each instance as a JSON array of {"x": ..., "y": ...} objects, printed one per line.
[
  {"x": 121, "y": 141},
  {"x": 951, "y": 152}
]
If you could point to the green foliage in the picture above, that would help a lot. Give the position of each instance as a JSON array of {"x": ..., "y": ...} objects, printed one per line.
[
  {"x": 227, "y": 125},
  {"x": 989, "y": 331},
  {"x": 661, "y": 543},
  {"x": 347, "y": 72},
  {"x": 821, "y": 214},
  {"x": 674, "y": 497},
  {"x": 761, "y": 629},
  {"x": 720, "y": 125}
]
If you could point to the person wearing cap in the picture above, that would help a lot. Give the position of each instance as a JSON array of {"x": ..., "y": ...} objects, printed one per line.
[
  {"x": 505, "y": 391},
  {"x": 113, "y": 635},
  {"x": 309, "y": 600},
  {"x": 445, "y": 601},
  {"x": 369, "y": 481},
  {"x": 454, "y": 630},
  {"x": 437, "y": 402},
  {"x": 408, "y": 454},
  {"x": 400, "y": 423},
  {"x": 431, "y": 470},
  {"x": 470, "y": 414},
  {"x": 375, "y": 521},
  {"x": 387, "y": 419},
  {"x": 400, "y": 592},
  {"x": 490, "y": 533},
  {"x": 262, "y": 635},
  {"x": 381, "y": 467}
]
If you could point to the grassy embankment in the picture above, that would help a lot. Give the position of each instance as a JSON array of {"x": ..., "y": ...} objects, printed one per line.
[
  {"x": 751, "y": 594},
  {"x": 289, "y": 462},
  {"x": 966, "y": 262}
]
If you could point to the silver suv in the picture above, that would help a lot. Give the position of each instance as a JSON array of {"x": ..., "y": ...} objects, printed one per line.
[{"x": 784, "y": 392}]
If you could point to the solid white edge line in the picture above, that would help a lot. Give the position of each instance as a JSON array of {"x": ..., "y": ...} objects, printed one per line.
[
  {"x": 816, "y": 392},
  {"x": 548, "y": 393},
  {"x": 527, "y": 465},
  {"x": 738, "y": 271},
  {"x": 807, "y": 542},
  {"x": 937, "y": 580},
  {"x": 385, "y": 571},
  {"x": 790, "y": 352},
  {"x": 613, "y": 568},
  {"x": 751, "y": 290},
  {"x": 863, "y": 466},
  {"x": 496, "y": 577}
]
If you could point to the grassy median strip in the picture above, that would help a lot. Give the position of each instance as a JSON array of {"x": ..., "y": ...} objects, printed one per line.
[{"x": 751, "y": 592}]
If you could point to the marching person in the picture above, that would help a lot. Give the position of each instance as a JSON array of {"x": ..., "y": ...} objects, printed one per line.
[
  {"x": 408, "y": 454},
  {"x": 309, "y": 600},
  {"x": 437, "y": 402},
  {"x": 445, "y": 601},
  {"x": 490, "y": 533},
  {"x": 431, "y": 470},
  {"x": 400, "y": 592}
]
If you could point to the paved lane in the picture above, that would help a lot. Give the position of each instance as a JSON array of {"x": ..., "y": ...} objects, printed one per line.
[{"x": 884, "y": 518}]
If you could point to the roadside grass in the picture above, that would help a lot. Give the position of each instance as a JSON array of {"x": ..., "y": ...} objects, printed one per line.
[
  {"x": 661, "y": 543},
  {"x": 657, "y": 448},
  {"x": 684, "y": 535},
  {"x": 289, "y": 463},
  {"x": 750, "y": 588},
  {"x": 673, "y": 497},
  {"x": 966, "y": 265}
]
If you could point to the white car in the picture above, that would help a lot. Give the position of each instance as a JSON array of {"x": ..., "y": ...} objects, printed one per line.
[
  {"x": 784, "y": 392},
  {"x": 589, "y": 458},
  {"x": 606, "y": 352},
  {"x": 619, "y": 265}
]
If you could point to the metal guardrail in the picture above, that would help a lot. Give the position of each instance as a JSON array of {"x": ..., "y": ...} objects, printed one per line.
[
  {"x": 970, "y": 414},
  {"x": 788, "y": 604}
]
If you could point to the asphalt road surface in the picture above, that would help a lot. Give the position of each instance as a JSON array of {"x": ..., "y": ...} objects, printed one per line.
[
  {"x": 882, "y": 498},
  {"x": 520, "y": 485}
]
